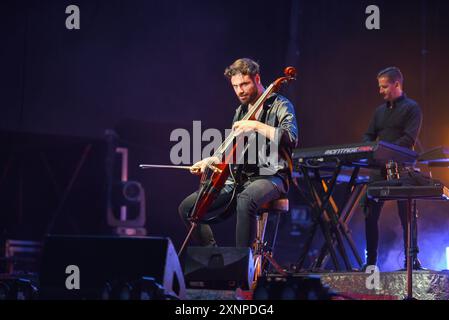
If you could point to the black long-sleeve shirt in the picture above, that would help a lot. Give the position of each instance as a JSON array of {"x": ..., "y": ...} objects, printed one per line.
[
  {"x": 398, "y": 122},
  {"x": 277, "y": 112}
]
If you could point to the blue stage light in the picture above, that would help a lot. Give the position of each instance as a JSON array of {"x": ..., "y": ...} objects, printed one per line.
[{"x": 447, "y": 258}]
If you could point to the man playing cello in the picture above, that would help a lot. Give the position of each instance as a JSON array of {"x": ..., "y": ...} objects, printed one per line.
[{"x": 259, "y": 182}]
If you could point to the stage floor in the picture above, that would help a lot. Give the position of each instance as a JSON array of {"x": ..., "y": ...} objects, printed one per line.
[{"x": 427, "y": 285}]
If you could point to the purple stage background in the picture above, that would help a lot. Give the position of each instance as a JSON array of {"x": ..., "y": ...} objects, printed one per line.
[{"x": 145, "y": 68}]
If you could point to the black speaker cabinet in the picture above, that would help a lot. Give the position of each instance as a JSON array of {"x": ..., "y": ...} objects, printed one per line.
[
  {"x": 97, "y": 267},
  {"x": 218, "y": 268}
]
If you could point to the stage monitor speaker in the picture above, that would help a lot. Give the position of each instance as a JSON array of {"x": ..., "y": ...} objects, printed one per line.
[
  {"x": 218, "y": 268},
  {"x": 110, "y": 267}
]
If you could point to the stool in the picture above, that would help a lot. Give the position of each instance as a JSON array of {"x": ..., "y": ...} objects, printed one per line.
[{"x": 260, "y": 250}]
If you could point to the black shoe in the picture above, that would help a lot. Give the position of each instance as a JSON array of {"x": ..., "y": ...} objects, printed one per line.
[{"x": 416, "y": 265}]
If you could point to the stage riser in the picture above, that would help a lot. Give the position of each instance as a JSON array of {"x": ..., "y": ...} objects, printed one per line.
[{"x": 427, "y": 285}]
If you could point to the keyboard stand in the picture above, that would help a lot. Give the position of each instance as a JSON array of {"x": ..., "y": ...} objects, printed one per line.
[
  {"x": 332, "y": 222},
  {"x": 385, "y": 193}
]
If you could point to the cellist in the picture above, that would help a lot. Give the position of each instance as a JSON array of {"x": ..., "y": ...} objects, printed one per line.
[{"x": 260, "y": 181}]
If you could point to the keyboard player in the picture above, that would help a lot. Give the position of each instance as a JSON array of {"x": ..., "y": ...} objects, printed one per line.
[{"x": 398, "y": 120}]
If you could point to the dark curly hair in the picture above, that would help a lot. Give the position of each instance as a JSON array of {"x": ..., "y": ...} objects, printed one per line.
[{"x": 245, "y": 66}]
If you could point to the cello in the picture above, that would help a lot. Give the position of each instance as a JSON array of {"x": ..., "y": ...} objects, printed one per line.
[{"x": 215, "y": 175}]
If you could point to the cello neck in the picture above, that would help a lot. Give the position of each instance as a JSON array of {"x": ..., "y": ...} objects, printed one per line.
[
  {"x": 290, "y": 74},
  {"x": 249, "y": 115},
  {"x": 259, "y": 103}
]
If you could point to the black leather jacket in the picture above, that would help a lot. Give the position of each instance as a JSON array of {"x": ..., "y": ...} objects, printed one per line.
[{"x": 278, "y": 112}]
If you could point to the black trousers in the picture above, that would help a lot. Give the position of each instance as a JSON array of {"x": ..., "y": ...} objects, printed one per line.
[
  {"x": 255, "y": 192},
  {"x": 372, "y": 229},
  {"x": 372, "y": 211}
]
